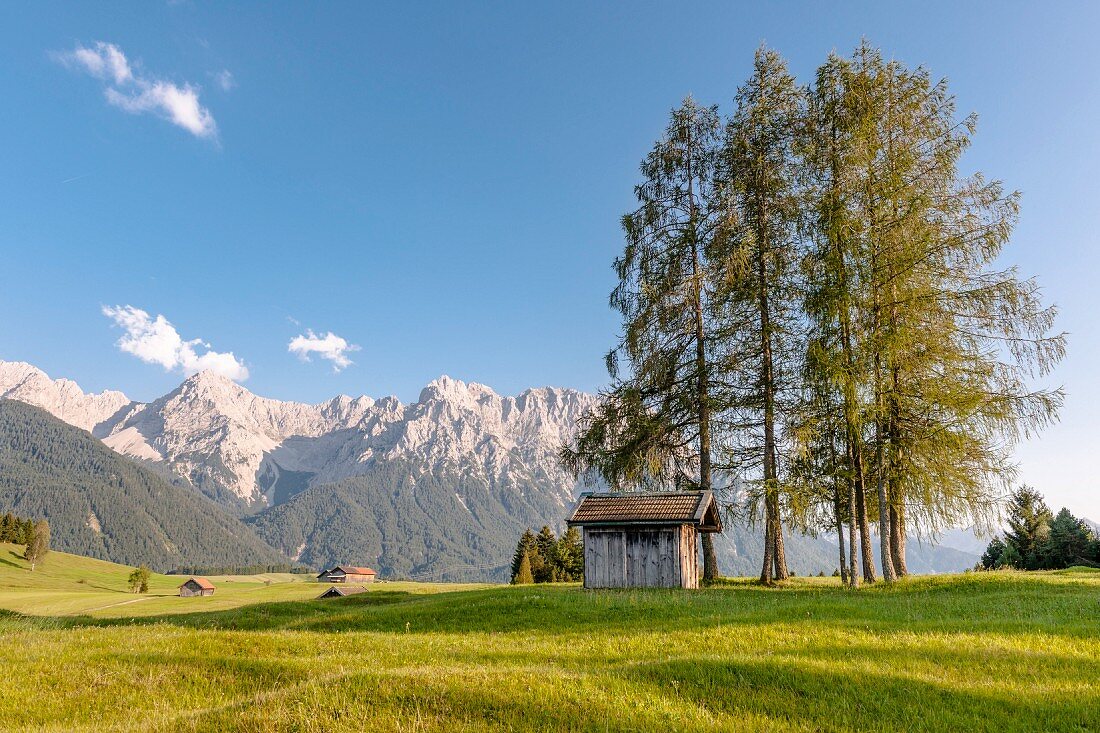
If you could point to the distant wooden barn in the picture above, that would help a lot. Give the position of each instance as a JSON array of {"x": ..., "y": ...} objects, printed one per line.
[
  {"x": 196, "y": 587},
  {"x": 347, "y": 574},
  {"x": 644, "y": 540},
  {"x": 339, "y": 591}
]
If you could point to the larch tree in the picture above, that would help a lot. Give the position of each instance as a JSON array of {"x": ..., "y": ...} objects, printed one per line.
[
  {"x": 934, "y": 345},
  {"x": 954, "y": 339},
  {"x": 835, "y": 363},
  {"x": 757, "y": 256},
  {"x": 654, "y": 425}
]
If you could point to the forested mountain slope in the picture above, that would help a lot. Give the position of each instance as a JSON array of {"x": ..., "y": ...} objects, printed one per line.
[{"x": 104, "y": 506}]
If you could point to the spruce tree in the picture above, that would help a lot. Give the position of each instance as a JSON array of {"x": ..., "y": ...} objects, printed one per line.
[
  {"x": 571, "y": 555},
  {"x": 1028, "y": 526},
  {"x": 994, "y": 552},
  {"x": 546, "y": 545},
  {"x": 523, "y": 575},
  {"x": 7, "y": 528},
  {"x": 1068, "y": 542},
  {"x": 526, "y": 545}
]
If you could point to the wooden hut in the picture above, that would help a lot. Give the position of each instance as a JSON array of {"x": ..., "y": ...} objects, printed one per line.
[
  {"x": 196, "y": 587},
  {"x": 643, "y": 540},
  {"x": 347, "y": 574},
  {"x": 339, "y": 591}
]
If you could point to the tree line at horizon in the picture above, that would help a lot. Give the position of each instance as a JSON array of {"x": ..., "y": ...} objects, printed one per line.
[
  {"x": 1037, "y": 539},
  {"x": 545, "y": 558},
  {"x": 33, "y": 535},
  {"x": 815, "y": 320}
]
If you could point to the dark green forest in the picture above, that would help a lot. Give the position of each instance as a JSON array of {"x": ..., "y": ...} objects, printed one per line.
[
  {"x": 410, "y": 523},
  {"x": 1037, "y": 539},
  {"x": 546, "y": 558},
  {"x": 102, "y": 505}
]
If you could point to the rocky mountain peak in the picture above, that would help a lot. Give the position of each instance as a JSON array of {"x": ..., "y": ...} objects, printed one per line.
[
  {"x": 62, "y": 397},
  {"x": 228, "y": 441}
]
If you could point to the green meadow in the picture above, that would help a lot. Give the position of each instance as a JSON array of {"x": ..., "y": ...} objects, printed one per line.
[{"x": 1000, "y": 651}]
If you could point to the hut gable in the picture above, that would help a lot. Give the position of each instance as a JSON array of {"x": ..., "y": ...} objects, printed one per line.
[
  {"x": 339, "y": 591},
  {"x": 643, "y": 539}
]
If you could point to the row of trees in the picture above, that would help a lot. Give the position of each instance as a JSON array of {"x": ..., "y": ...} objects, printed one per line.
[
  {"x": 814, "y": 318},
  {"x": 545, "y": 558},
  {"x": 17, "y": 530},
  {"x": 1036, "y": 539},
  {"x": 24, "y": 531}
]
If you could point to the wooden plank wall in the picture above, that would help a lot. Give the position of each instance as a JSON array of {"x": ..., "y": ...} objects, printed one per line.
[{"x": 640, "y": 557}]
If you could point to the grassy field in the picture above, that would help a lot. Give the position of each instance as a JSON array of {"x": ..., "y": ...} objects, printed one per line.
[{"x": 983, "y": 652}]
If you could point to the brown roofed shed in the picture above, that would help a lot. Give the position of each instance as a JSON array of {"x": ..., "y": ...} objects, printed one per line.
[
  {"x": 196, "y": 587},
  {"x": 637, "y": 540},
  {"x": 347, "y": 574}
]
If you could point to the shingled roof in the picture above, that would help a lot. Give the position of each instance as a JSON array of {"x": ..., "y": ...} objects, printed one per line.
[
  {"x": 664, "y": 507},
  {"x": 353, "y": 570},
  {"x": 200, "y": 582}
]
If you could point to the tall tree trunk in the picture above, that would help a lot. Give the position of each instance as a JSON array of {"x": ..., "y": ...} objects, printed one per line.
[
  {"x": 853, "y": 575},
  {"x": 837, "y": 514},
  {"x": 780, "y": 556},
  {"x": 864, "y": 525},
  {"x": 897, "y": 537},
  {"x": 884, "y": 533},
  {"x": 710, "y": 558},
  {"x": 767, "y": 570},
  {"x": 851, "y": 412},
  {"x": 774, "y": 525},
  {"x": 897, "y": 500}
]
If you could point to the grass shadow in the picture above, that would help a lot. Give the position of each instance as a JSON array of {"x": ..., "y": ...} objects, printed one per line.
[{"x": 815, "y": 698}]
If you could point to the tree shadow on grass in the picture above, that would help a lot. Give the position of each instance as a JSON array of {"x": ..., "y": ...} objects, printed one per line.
[
  {"x": 685, "y": 694},
  {"x": 849, "y": 700},
  {"x": 16, "y": 565}
]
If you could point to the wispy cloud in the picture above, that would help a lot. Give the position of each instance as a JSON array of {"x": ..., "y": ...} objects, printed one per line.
[
  {"x": 137, "y": 93},
  {"x": 156, "y": 341},
  {"x": 225, "y": 80},
  {"x": 327, "y": 346}
]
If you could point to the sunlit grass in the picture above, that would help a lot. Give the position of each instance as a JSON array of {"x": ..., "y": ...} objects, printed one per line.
[{"x": 980, "y": 652}]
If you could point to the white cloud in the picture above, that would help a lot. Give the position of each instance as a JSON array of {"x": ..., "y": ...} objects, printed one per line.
[
  {"x": 103, "y": 61},
  {"x": 327, "y": 346},
  {"x": 180, "y": 105},
  {"x": 137, "y": 94},
  {"x": 156, "y": 341}
]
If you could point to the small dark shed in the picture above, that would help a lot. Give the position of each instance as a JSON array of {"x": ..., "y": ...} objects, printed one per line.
[
  {"x": 643, "y": 540},
  {"x": 339, "y": 591},
  {"x": 196, "y": 587}
]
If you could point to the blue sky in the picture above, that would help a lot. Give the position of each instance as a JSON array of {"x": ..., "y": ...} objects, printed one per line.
[{"x": 441, "y": 185}]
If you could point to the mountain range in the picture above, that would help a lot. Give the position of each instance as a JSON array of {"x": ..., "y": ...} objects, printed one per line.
[{"x": 439, "y": 488}]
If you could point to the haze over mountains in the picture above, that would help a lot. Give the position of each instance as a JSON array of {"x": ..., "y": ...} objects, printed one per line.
[{"x": 438, "y": 488}]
